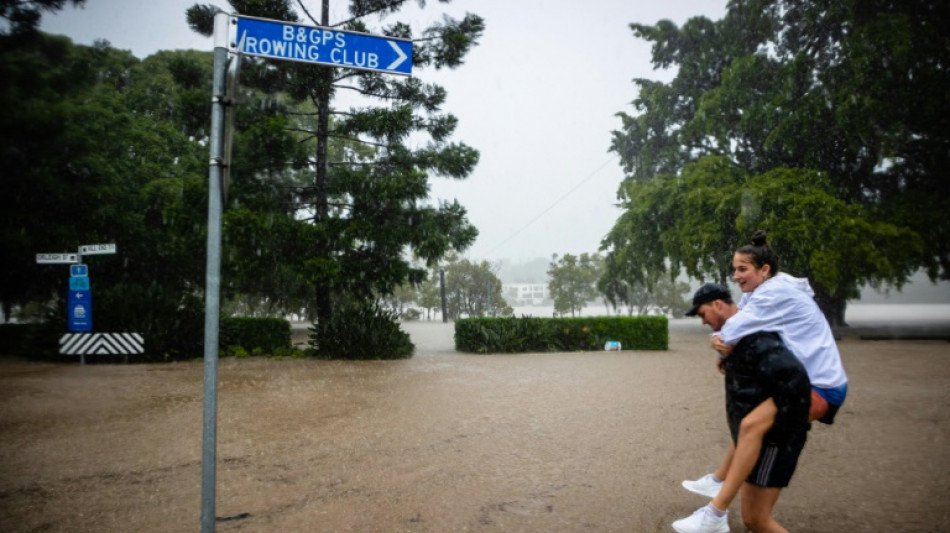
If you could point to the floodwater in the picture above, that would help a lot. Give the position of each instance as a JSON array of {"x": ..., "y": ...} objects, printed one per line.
[{"x": 446, "y": 442}]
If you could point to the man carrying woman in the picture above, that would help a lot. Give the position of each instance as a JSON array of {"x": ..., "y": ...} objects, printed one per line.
[{"x": 785, "y": 305}]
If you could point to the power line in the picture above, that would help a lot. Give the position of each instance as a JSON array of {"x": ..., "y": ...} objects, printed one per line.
[{"x": 550, "y": 207}]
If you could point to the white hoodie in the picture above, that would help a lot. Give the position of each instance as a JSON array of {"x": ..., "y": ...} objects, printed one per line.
[{"x": 786, "y": 305}]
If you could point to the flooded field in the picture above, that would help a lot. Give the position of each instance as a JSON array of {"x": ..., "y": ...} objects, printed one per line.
[{"x": 446, "y": 442}]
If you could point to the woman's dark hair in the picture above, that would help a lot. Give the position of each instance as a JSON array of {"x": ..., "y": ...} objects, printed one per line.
[{"x": 760, "y": 253}]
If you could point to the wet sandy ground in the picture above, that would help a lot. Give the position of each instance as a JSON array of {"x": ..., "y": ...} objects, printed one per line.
[{"x": 447, "y": 442}]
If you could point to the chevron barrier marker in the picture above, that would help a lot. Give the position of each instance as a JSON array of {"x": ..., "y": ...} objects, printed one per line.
[{"x": 101, "y": 343}]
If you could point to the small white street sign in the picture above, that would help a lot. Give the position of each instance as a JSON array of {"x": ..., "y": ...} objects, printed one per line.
[
  {"x": 58, "y": 259},
  {"x": 93, "y": 249}
]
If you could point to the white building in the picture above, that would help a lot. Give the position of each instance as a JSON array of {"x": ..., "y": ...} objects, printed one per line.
[{"x": 526, "y": 293}]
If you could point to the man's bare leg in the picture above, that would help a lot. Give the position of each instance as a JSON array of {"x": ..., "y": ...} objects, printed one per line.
[{"x": 757, "y": 505}]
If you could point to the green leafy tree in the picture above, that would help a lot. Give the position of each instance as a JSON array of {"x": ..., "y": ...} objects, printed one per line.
[
  {"x": 95, "y": 151},
  {"x": 848, "y": 93},
  {"x": 572, "y": 281},
  {"x": 365, "y": 212},
  {"x": 86, "y": 161},
  {"x": 35, "y": 98},
  {"x": 469, "y": 287}
]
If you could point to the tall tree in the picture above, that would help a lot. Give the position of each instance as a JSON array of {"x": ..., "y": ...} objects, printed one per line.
[
  {"x": 472, "y": 289},
  {"x": 367, "y": 214},
  {"x": 849, "y": 91},
  {"x": 572, "y": 281}
]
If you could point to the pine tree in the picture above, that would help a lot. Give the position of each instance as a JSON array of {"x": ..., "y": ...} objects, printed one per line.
[{"x": 365, "y": 214}]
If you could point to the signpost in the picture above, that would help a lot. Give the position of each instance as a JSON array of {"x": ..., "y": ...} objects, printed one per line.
[
  {"x": 280, "y": 40},
  {"x": 79, "y": 297},
  {"x": 324, "y": 46}
]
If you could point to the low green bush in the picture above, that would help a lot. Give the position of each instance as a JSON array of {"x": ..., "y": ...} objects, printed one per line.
[
  {"x": 533, "y": 334},
  {"x": 360, "y": 332},
  {"x": 258, "y": 336},
  {"x": 29, "y": 341},
  {"x": 236, "y": 351},
  {"x": 171, "y": 323}
]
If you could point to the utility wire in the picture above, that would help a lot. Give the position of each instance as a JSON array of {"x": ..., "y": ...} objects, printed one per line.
[{"x": 550, "y": 207}]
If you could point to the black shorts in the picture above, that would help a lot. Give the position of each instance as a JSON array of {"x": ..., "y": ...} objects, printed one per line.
[
  {"x": 776, "y": 465},
  {"x": 829, "y": 417}
]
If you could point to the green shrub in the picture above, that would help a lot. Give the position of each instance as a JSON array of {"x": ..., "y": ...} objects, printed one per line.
[
  {"x": 238, "y": 352},
  {"x": 360, "y": 332},
  {"x": 532, "y": 334},
  {"x": 171, "y": 323},
  {"x": 259, "y": 335},
  {"x": 509, "y": 334},
  {"x": 30, "y": 341}
]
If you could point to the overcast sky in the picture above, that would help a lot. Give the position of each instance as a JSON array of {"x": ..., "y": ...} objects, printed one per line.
[{"x": 537, "y": 98}]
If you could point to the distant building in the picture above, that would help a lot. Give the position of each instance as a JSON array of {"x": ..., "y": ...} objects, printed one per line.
[{"x": 527, "y": 293}]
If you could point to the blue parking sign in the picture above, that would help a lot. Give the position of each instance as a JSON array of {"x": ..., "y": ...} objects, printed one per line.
[{"x": 79, "y": 310}]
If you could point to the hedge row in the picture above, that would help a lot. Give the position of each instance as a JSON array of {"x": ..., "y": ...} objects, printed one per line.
[
  {"x": 254, "y": 335},
  {"x": 531, "y": 334}
]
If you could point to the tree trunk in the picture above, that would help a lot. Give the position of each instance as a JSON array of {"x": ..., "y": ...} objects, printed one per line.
[{"x": 831, "y": 306}]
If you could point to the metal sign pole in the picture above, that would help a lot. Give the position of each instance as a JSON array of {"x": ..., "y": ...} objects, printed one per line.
[{"x": 213, "y": 276}]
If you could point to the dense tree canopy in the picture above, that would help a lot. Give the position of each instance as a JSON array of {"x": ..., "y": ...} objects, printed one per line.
[
  {"x": 824, "y": 123},
  {"x": 95, "y": 150}
]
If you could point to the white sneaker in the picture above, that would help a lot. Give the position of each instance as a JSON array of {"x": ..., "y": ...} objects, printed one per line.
[
  {"x": 703, "y": 521},
  {"x": 705, "y": 486}
]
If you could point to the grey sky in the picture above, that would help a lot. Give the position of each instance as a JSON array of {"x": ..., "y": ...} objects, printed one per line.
[{"x": 537, "y": 98}]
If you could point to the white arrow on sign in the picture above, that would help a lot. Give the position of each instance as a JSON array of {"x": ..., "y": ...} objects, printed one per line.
[
  {"x": 93, "y": 249},
  {"x": 402, "y": 56}
]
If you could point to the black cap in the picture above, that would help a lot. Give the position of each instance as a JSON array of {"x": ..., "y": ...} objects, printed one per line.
[{"x": 708, "y": 293}]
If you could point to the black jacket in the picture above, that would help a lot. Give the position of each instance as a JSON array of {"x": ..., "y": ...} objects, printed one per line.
[{"x": 760, "y": 367}]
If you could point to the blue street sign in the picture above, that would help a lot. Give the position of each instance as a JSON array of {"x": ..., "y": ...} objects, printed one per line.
[
  {"x": 78, "y": 270},
  {"x": 78, "y": 283},
  {"x": 79, "y": 309},
  {"x": 311, "y": 44}
]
